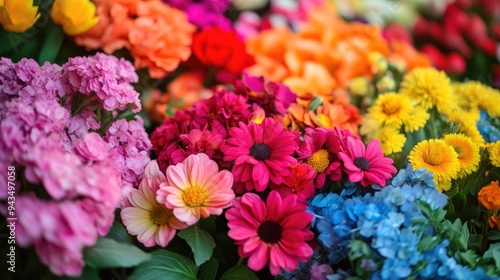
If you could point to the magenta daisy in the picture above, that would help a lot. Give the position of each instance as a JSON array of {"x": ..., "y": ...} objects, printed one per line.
[
  {"x": 276, "y": 231},
  {"x": 195, "y": 188},
  {"x": 366, "y": 165},
  {"x": 151, "y": 221},
  {"x": 325, "y": 145},
  {"x": 261, "y": 153}
]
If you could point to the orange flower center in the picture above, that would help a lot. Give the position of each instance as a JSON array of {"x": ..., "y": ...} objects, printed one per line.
[
  {"x": 160, "y": 214},
  {"x": 433, "y": 158},
  {"x": 390, "y": 108},
  {"x": 319, "y": 160},
  {"x": 194, "y": 196}
]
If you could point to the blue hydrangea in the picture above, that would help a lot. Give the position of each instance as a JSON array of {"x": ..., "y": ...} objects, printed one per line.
[
  {"x": 392, "y": 225},
  {"x": 489, "y": 132}
]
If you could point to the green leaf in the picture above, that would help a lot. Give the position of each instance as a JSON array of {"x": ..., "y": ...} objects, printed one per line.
[
  {"x": 202, "y": 244},
  {"x": 239, "y": 272},
  {"x": 208, "y": 270},
  {"x": 428, "y": 243},
  {"x": 52, "y": 44},
  {"x": 470, "y": 258},
  {"x": 493, "y": 235},
  {"x": 107, "y": 253},
  {"x": 165, "y": 265},
  {"x": 463, "y": 240},
  {"x": 89, "y": 273},
  {"x": 119, "y": 233}
]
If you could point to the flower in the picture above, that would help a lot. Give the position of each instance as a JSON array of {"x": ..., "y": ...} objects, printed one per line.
[
  {"x": 391, "y": 140},
  {"x": 366, "y": 165},
  {"x": 198, "y": 141},
  {"x": 152, "y": 222},
  {"x": 153, "y": 42},
  {"x": 418, "y": 118},
  {"x": 439, "y": 158},
  {"x": 468, "y": 153},
  {"x": 18, "y": 15},
  {"x": 105, "y": 76},
  {"x": 261, "y": 153},
  {"x": 391, "y": 109},
  {"x": 196, "y": 188},
  {"x": 274, "y": 232},
  {"x": 429, "y": 87},
  {"x": 489, "y": 196},
  {"x": 217, "y": 47},
  {"x": 494, "y": 152},
  {"x": 325, "y": 145},
  {"x": 494, "y": 221},
  {"x": 299, "y": 182},
  {"x": 75, "y": 16}
]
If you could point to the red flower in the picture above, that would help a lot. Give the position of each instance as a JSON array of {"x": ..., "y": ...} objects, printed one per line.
[{"x": 221, "y": 48}]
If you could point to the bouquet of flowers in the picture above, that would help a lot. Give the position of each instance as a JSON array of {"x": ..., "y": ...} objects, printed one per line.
[{"x": 259, "y": 141}]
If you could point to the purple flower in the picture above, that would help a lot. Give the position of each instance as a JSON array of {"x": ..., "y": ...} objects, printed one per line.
[
  {"x": 106, "y": 76},
  {"x": 204, "y": 13}
]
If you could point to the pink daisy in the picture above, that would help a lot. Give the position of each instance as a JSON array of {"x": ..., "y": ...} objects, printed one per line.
[
  {"x": 152, "y": 222},
  {"x": 366, "y": 165},
  {"x": 325, "y": 145},
  {"x": 300, "y": 182},
  {"x": 196, "y": 188},
  {"x": 261, "y": 153},
  {"x": 274, "y": 232},
  {"x": 199, "y": 141}
]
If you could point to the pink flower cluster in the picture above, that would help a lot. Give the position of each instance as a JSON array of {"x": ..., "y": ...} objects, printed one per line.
[{"x": 69, "y": 178}]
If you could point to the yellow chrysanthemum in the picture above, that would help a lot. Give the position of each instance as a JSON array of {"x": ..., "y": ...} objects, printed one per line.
[
  {"x": 18, "y": 15},
  {"x": 495, "y": 154},
  {"x": 475, "y": 94},
  {"x": 391, "y": 140},
  {"x": 467, "y": 126},
  {"x": 468, "y": 153},
  {"x": 75, "y": 16},
  {"x": 437, "y": 157},
  {"x": 418, "y": 118},
  {"x": 429, "y": 87},
  {"x": 370, "y": 127},
  {"x": 391, "y": 109},
  {"x": 443, "y": 185}
]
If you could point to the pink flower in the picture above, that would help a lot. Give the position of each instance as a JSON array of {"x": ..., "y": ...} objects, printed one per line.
[
  {"x": 152, "y": 222},
  {"x": 261, "y": 153},
  {"x": 325, "y": 145},
  {"x": 198, "y": 141},
  {"x": 91, "y": 147},
  {"x": 366, "y": 165},
  {"x": 299, "y": 182},
  {"x": 274, "y": 232},
  {"x": 196, "y": 188}
]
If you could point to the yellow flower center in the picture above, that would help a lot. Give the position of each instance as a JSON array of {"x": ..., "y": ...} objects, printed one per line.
[
  {"x": 433, "y": 158},
  {"x": 160, "y": 214},
  {"x": 319, "y": 160},
  {"x": 391, "y": 107},
  {"x": 194, "y": 196}
]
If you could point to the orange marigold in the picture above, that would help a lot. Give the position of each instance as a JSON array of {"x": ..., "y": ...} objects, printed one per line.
[
  {"x": 489, "y": 196},
  {"x": 494, "y": 221}
]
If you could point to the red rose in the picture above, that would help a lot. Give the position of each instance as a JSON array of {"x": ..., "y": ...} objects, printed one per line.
[{"x": 221, "y": 48}]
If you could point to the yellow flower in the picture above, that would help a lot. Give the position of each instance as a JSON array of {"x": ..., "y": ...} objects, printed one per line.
[
  {"x": 18, "y": 15},
  {"x": 391, "y": 109},
  {"x": 386, "y": 84},
  {"x": 429, "y": 87},
  {"x": 378, "y": 62},
  {"x": 391, "y": 140},
  {"x": 495, "y": 154},
  {"x": 475, "y": 95},
  {"x": 468, "y": 153},
  {"x": 437, "y": 157},
  {"x": 75, "y": 16},
  {"x": 467, "y": 126},
  {"x": 418, "y": 118},
  {"x": 359, "y": 86},
  {"x": 370, "y": 127}
]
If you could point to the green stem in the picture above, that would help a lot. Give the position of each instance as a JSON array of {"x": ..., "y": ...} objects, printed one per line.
[{"x": 240, "y": 262}]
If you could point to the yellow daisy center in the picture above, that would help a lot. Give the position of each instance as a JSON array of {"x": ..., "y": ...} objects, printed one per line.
[
  {"x": 194, "y": 196},
  {"x": 319, "y": 160},
  {"x": 160, "y": 215},
  {"x": 433, "y": 158}
]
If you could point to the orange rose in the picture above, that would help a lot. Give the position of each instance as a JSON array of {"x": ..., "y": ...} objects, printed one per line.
[{"x": 489, "y": 196}]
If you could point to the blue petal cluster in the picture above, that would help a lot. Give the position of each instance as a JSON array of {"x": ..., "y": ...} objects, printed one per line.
[
  {"x": 489, "y": 132},
  {"x": 384, "y": 230}
]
